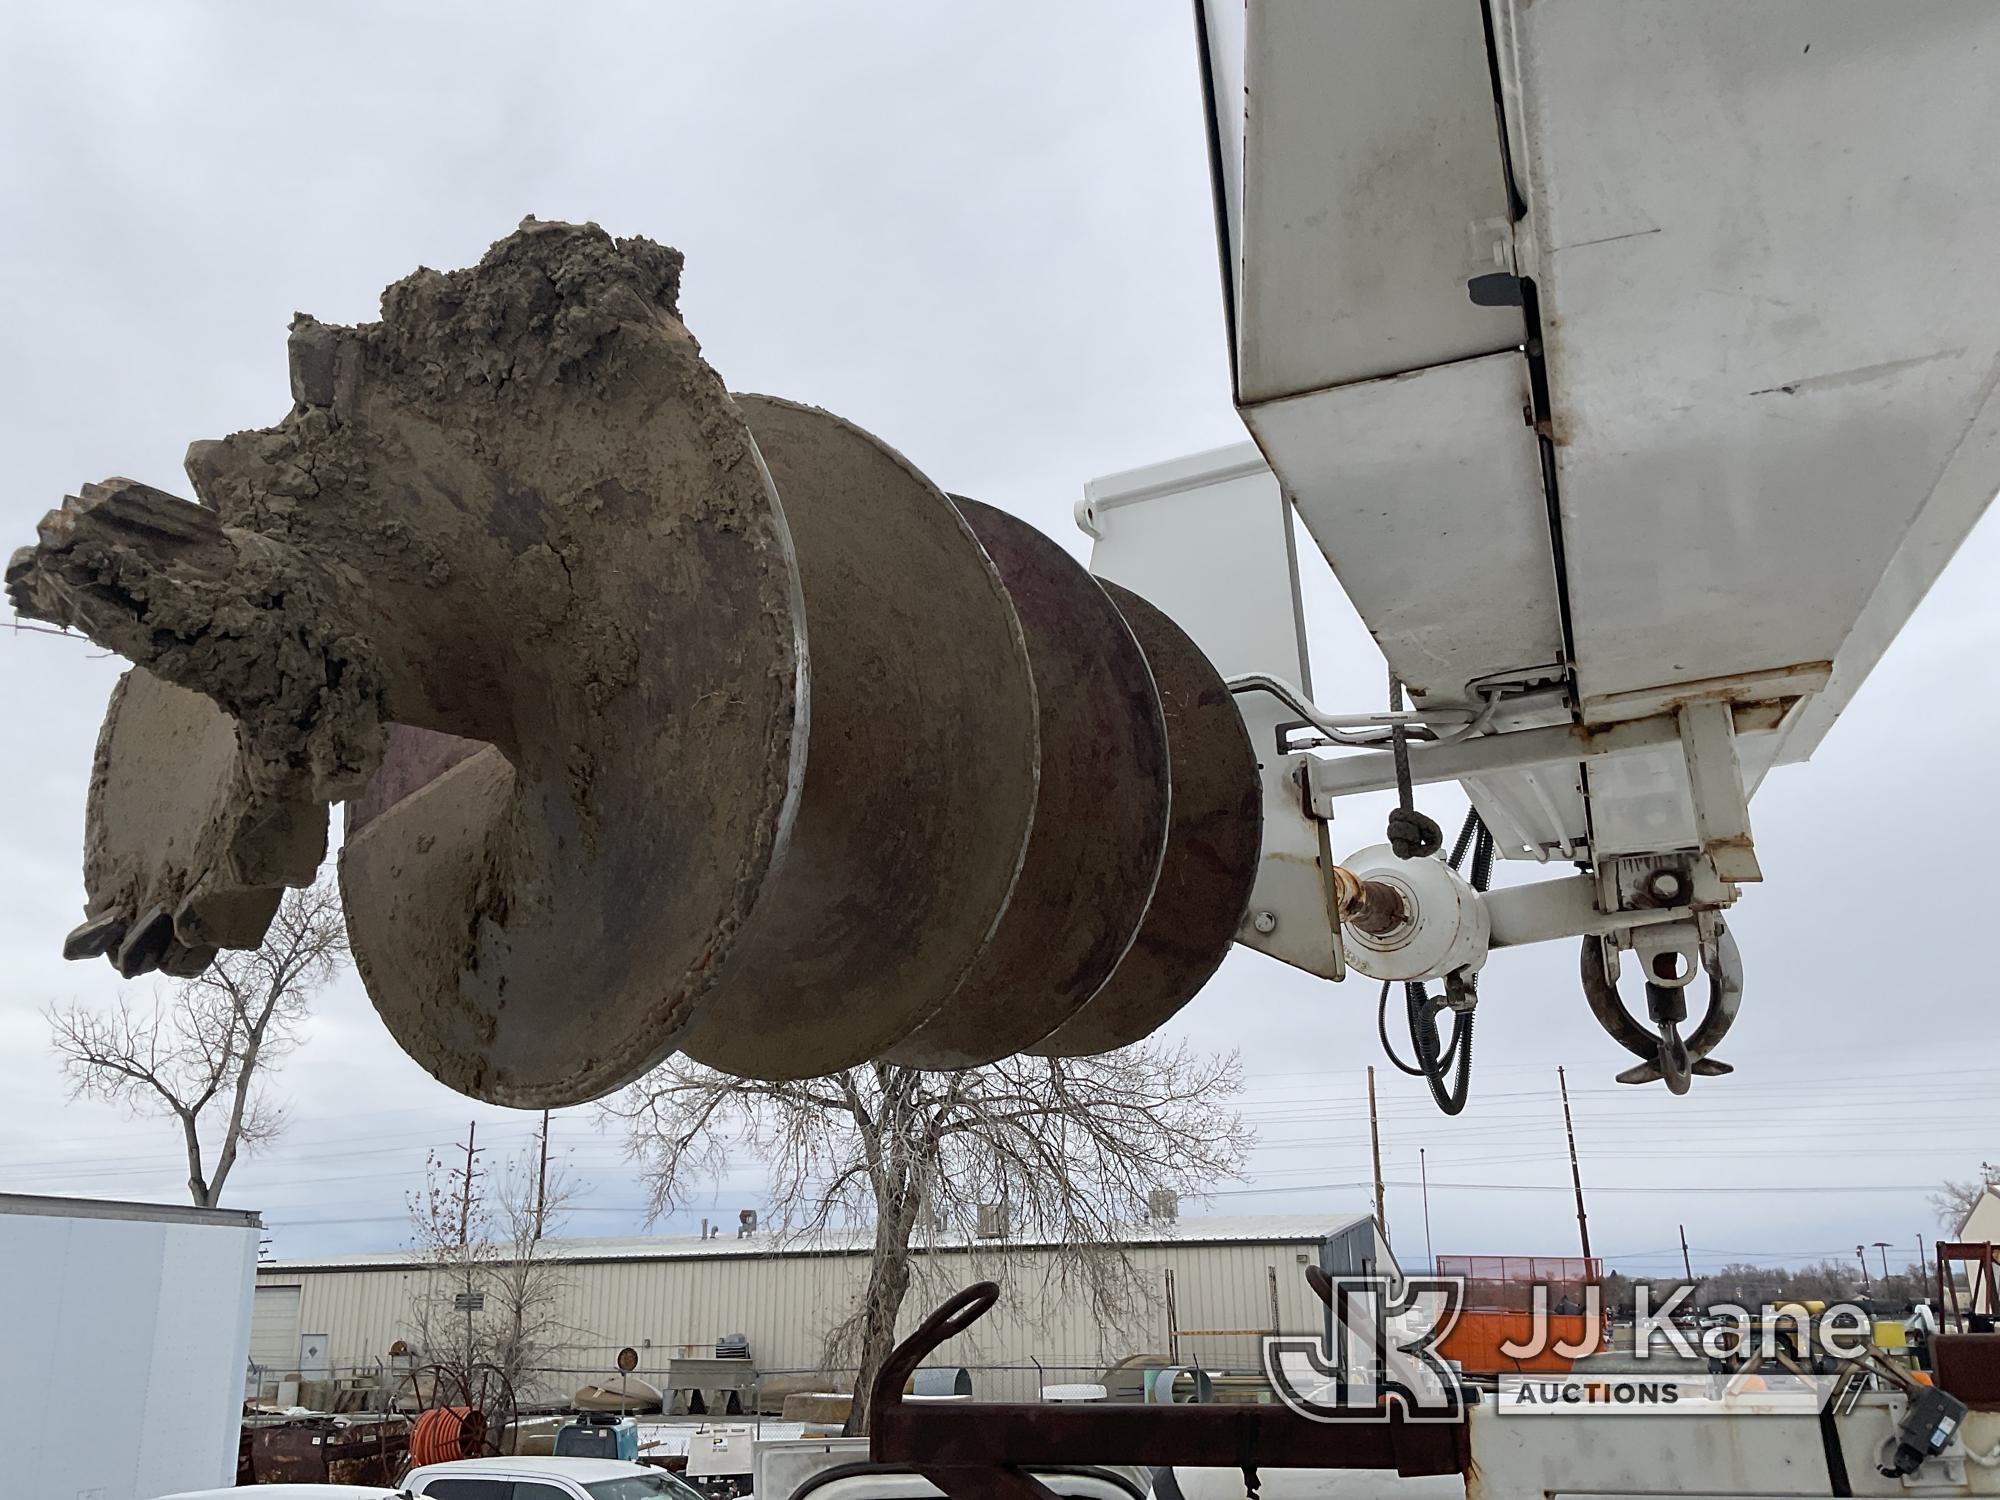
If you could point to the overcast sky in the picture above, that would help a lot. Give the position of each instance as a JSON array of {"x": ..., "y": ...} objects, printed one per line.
[{"x": 984, "y": 232}]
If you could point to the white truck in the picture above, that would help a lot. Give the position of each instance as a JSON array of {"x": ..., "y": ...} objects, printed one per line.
[{"x": 124, "y": 1336}]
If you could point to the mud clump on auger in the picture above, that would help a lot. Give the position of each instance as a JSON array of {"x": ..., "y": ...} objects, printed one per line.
[{"x": 479, "y": 516}]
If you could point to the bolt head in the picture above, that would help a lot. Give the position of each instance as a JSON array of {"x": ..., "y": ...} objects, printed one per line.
[
  {"x": 1666, "y": 885},
  {"x": 1265, "y": 921}
]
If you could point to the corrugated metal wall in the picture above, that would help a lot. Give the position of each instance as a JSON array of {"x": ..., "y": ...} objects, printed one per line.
[{"x": 784, "y": 1304}]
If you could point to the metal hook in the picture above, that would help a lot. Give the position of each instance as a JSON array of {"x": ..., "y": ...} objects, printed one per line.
[{"x": 1665, "y": 1054}]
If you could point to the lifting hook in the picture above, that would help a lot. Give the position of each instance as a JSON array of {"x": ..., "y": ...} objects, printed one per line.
[{"x": 1665, "y": 1054}]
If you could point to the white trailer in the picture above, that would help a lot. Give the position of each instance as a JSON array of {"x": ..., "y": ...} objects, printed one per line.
[{"x": 124, "y": 1334}]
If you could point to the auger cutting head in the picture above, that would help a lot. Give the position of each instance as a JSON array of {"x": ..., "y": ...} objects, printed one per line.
[{"x": 664, "y": 719}]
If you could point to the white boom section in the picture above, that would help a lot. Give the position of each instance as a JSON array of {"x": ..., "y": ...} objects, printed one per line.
[{"x": 1746, "y": 412}]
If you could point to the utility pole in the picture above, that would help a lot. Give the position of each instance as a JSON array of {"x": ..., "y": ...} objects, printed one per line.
[
  {"x": 542, "y": 1178},
  {"x": 1866, "y": 1284},
  {"x": 1375, "y": 1141},
  {"x": 1883, "y": 1246},
  {"x": 465, "y": 1186},
  {"x": 1687, "y": 1266},
  {"x": 1423, "y": 1169},
  {"x": 1575, "y": 1176}
]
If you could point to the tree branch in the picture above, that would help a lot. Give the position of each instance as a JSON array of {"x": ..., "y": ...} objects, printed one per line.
[{"x": 222, "y": 1031}]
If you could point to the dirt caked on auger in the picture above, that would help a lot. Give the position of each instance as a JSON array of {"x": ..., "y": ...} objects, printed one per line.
[{"x": 664, "y": 718}]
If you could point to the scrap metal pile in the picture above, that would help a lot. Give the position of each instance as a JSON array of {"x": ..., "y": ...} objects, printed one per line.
[{"x": 665, "y": 719}]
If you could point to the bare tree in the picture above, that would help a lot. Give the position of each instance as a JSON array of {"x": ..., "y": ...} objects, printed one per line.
[
  {"x": 1838, "y": 1280},
  {"x": 494, "y": 1289},
  {"x": 198, "y": 1055},
  {"x": 1953, "y": 1201},
  {"x": 451, "y": 1227},
  {"x": 1066, "y": 1150},
  {"x": 526, "y": 1280}
]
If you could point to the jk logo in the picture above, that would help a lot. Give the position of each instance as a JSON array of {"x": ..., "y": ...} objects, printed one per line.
[{"x": 1384, "y": 1355}]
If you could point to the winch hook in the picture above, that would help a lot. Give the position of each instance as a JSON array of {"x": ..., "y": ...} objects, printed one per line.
[{"x": 1665, "y": 1054}]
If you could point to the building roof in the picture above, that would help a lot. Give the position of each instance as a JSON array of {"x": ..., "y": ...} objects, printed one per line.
[
  {"x": 35, "y": 1205},
  {"x": 1218, "y": 1229}
]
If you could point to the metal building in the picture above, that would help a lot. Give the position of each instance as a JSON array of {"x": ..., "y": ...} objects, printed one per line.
[{"x": 1230, "y": 1281}]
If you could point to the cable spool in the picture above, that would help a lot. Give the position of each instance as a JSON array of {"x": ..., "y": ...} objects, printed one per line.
[
  {"x": 712, "y": 710},
  {"x": 445, "y": 1434}
]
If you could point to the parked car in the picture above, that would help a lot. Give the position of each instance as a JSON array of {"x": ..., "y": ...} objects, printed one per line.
[
  {"x": 543, "y": 1479},
  {"x": 295, "y": 1492}
]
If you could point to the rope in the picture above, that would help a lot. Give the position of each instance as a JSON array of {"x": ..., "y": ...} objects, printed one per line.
[
  {"x": 1411, "y": 834},
  {"x": 445, "y": 1433}
]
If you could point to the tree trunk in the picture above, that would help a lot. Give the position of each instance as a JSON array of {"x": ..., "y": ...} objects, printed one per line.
[
  {"x": 198, "y": 1185},
  {"x": 882, "y": 1302},
  {"x": 239, "y": 1103}
]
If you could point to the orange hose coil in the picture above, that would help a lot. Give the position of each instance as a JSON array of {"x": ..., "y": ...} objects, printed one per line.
[{"x": 445, "y": 1433}]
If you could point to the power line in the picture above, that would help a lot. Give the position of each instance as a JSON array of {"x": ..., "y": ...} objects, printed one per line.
[{"x": 1561, "y": 1187}]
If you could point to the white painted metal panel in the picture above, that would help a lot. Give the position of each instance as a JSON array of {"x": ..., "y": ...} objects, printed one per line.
[
  {"x": 32, "y": 1331},
  {"x": 1372, "y": 192},
  {"x": 1961, "y": 497},
  {"x": 1424, "y": 491},
  {"x": 1536, "y": 814},
  {"x": 1696, "y": 1454},
  {"x": 1208, "y": 539},
  {"x": 106, "y": 1297},
  {"x": 1222, "y": 33},
  {"x": 192, "y": 1412},
  {"x": 1758, "y": 234},
  {"x": 1643, "y": 803},
  {"x": 1762, "y": 241}
]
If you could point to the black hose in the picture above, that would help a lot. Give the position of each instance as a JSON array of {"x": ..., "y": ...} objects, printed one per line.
[
  {"x": 1382, "y": 1031},
  {"x": 1466, "y": 834},
  {"x": 1436, "y": 1065},
  {"x": 1438, "y": 1061}
]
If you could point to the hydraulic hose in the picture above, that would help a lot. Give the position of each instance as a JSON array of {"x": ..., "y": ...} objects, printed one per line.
[{"x": 1435, "y": 1061}]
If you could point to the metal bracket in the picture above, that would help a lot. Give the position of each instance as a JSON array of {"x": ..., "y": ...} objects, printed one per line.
[
  {"x": 1721, "y": 807},
  {"x": 1292, "y": 915},
  {"x": 1643, "y": 883},
  {"x": 1521, "y": 749}
]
